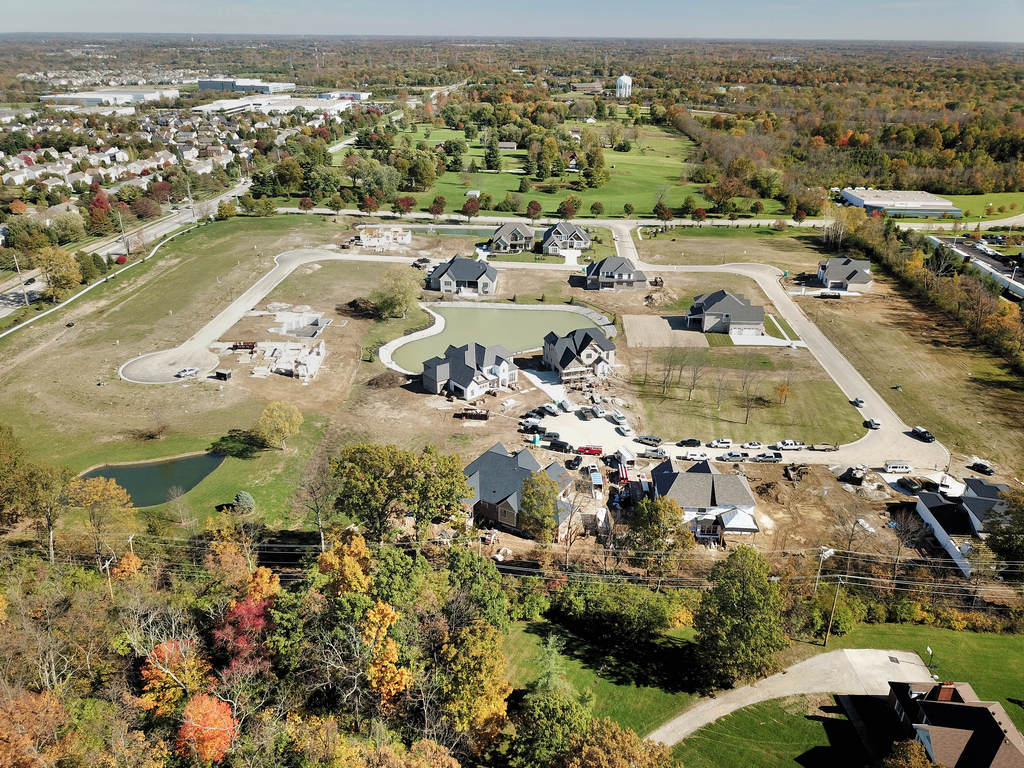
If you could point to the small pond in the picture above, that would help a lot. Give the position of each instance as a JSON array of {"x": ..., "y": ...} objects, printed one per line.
[
  {"x": 148, "y": 483},
  {"x": 516, "y": 330}
]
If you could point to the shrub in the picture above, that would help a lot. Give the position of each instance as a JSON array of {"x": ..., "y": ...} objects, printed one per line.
[
  {"x": 121, "y": 260},
  {"x": 244, "y": 502}
]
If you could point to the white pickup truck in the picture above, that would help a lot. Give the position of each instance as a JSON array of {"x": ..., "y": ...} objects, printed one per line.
[{"x": 789, "y": 445}]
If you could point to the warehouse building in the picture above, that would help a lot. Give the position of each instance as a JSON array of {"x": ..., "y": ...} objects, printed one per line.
[
  {"x": 900, "y": 203},
  {"x": 243, "y": 85}
]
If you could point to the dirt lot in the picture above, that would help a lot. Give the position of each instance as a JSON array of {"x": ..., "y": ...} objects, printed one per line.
[
  {"x": 967, "y": 397},
  {"x": 660, "y": 331}
]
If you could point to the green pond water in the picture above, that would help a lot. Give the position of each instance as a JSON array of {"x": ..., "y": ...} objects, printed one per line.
[
  {"x": 148, "y": 483},
  {"x": 516, "y": 330}
]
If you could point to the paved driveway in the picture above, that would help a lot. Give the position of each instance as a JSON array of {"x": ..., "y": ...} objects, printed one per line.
[{"x": 854, "y": 672}]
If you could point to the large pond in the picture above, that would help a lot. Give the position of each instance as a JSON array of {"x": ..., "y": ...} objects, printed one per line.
[
  {"x": 149, "y": 483},
  {"x": 516, "y": 330}
]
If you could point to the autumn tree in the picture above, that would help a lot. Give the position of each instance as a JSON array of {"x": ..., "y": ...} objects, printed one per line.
[
  {"x": 207, "y": 730},
  {"x": 306, "y": 205},
  {"x": 534, "y": 210},
  {"x": 12, "y": 477},
  {"x": 386, "y": 678},
  {"x": 606, "y": 744},
  {"x": 106, "y": 504},
  {"x": 347, "y": 567},
  {"x": 475, "y": 686},
  {"x": 909, "y": 754},
  {"x": 173, "y": 671},
  {"x": 278, "y": 422},
  {"x": 538, "y": 505},
  {"x": 566, "y": 210},
  {"x": 60, "y": 270},
  {"x": 32, "y": 729},
  {"x": 396, "y": 294},
  {"x": 739, "y": 622},
  {"x": 470, "y": 208}
]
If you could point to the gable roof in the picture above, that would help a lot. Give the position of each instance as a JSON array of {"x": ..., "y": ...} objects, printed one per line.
[
  {"x": 701, "y": 486},
  {"x": 507, "y": 231},
  {"x": 721, "y": 302},
  {"x": 845, "y": 269},
  {"x": 462, "y": 364},
  {"x": 461, "y": 268},
  {"x": 564, "y": 231},
  {"x": 984, "y": 489},
  {"x": 497, "y": 476},
  {"x": 616, "y": 265},
  {"x": 569, "y": 347}
]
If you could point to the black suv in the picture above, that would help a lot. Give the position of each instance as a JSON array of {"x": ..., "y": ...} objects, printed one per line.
[
  {"x": 691, "y": 443},
  {"x": 923, "y": 434},
  {"x": 649, "y": 440}
]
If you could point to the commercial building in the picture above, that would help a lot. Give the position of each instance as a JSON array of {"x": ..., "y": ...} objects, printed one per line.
[
  {"x": 243, "y": 85},
  {"x": 900, "y": 203},
  {"x": 112, "y": 96}
]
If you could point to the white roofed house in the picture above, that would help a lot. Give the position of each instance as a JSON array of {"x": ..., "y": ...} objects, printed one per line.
[
  {"x": 581, "y": 355},
  {"x": 724, "y": 312},
  {"x": 470, "y": 371},
  {"x": 714, "y": 504}
]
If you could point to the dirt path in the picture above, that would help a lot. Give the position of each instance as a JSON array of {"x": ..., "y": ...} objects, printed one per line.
[{"x": 856, "y": 672}]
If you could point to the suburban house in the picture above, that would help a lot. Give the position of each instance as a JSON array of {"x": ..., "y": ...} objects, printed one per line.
[
  {"x": 724, "y": 312},
  {"x": 842, "y": 273},
  {"x": 614, "y": 272},
  {"x": 714, "y": 504},
  {"x": 957, "y": 729},
  {"x": 470, "y": 371},
  {"x": 462, "y": 275},
  {"x": 512, "y": 238},
  {"x": 564, "y": 236},
  {"x": 959, "y": 524},
  {"x": 496, "y": 480},
  {"x": 384, "y": 237},
  {"x": 581, "y": 355}
]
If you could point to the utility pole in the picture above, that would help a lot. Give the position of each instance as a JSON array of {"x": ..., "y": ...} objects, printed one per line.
[
  {"x": 824, "y": 555},
  {"x": 124, "y": 237},
  {"x": 835, "y": 601},
  {"x": 24, "y": 290}
]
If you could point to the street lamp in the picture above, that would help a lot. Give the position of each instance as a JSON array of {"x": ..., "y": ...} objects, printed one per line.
[{"x": 824, "y": 555}]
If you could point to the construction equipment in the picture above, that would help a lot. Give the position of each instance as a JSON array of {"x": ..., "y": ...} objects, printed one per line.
[{"x": 795, "y": 472}]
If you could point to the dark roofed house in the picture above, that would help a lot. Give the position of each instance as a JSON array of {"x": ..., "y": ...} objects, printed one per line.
[
  {"x": 462, "y": 275},
  {"x": 614, "y": 272},
  {"x": 845, "y": 274},
  {"x": 470, "y": 371},
  {"x": 956, "y": 728},
  {"x": 714, "y": 504},
  {"x": 724, "y": 312},
  {"x": 513, "y": 237},
  {"x": 564, "y": 236},
  {"x": 496, "y": 480},
  {"x": 581, "y": 355},
  {"x": 959, "y": 524}
]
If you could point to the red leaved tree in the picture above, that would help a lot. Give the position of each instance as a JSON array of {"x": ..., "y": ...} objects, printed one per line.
[
  {"x": 207, "y": 730},
  {"x": 470, "y": 208}
]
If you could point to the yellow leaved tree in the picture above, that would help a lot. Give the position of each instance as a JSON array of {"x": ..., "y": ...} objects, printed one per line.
[{"x": 385, "y": 677}]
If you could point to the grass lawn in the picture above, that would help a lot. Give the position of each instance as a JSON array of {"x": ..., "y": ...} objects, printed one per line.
[
  {"x": 815, "y": 411},
  {"x": 969, "y": 398},
  {"x": 795, "y": 250},
  {"x": 810, "y": 731},
  {"x": 638, "y": 689},
  {"x": 976, "y": 204}
]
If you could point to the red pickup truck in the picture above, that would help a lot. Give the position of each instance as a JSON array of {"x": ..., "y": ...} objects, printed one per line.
[{"x": 591, "y": 450}]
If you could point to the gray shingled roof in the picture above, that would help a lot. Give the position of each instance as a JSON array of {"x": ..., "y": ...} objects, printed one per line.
[
  {"x": 568, "y": 347},
  {"x": 566, "y": 230},
  {"x": 461, "y": 364},
  {"x": 845, "y": 269},
  {"x": 722, "y": 302},
  {"x": 701, "y": 486},
  {"x": 497, "y": 476},
  {"x": 506, "y": 231},
  {"x": 616, "y": 265},
  {"x": 461, "y": 268}
]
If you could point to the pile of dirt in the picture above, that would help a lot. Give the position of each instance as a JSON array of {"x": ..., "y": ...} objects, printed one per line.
[
  {"x": 358, "y": 307},
  {"x": 387, "y": 380},
  {"x": 772, "y": 491}
]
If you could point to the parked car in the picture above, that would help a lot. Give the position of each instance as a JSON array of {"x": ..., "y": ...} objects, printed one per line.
[
  {"x": 529, "y": 424},
  {"x": 735, "y": 456},
  {"x": 697, "y": 456},
  {"x": 598, "y": 410},
  {"x": 625, "y": 430},
  {"x": 559, "y": 445},
  {"x": 910, "y": 484},
  {"x": 657, "y": 452},
  {"x": 618, "y": 416},
  {"x": 550, "y": 408},
  {"x": 186, "y": 373},
  {"x": 691, "y": 442},
  {"x": 722, "y": 442},
  {"x": 649, "y": 440},
  {"x": 574, "y": 462},
  {"x": 923, "y": 434},
  {"x": 789, "y": 445},
  {"x": 858, "y": 401},
  {"x": 30, "y": 281},
  {"x": 873, "y": 424},
  {"x": 982, "y": 468},
  {"x": 769, "y": 457},
  {"x": 591, "y": 450},
  {"x": 753, "y": 445},
  {"x": 551, "y": 435}
]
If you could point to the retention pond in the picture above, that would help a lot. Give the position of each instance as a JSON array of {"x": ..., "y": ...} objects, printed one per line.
[{"x": 148, "y": 484}]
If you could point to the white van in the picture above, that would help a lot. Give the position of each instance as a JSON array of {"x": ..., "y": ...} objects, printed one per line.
[
  {"x": 618, "y": 417},
  {"x": 897, "y": 467}
]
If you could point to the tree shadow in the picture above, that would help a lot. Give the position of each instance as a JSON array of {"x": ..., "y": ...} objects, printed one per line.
[
  {"x": 239, "y": 444},
  {"x": 666, "y": 663}
]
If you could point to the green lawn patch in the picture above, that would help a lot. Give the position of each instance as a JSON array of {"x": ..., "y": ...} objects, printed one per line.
[
  {"x": 718, "y": 339},
  {"x": 781, "y": 321},
  {"x": 771, "y": 329},
  {"x": 639, "y": 688},
  {"x": 809, "y": 731}
]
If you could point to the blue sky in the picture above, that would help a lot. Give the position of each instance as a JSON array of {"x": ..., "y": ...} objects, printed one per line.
[{"x": 981, "y": 20}]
